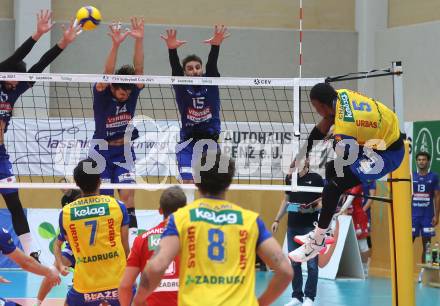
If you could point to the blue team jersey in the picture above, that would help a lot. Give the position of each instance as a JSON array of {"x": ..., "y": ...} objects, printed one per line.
[
  {"x": 113, "y": 117},
  {"x": 7, "y": 245},
  {"x": 8, "y": 99},
  {"x": 199, "y": 108},
  {"x": 424, "y": 187}
]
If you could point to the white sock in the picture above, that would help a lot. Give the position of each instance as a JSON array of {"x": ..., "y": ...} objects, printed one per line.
[
  {"x": 26, "y": 242},
  {"x": 38, "y": 303},
  {"x": 132, "y": 234},
  {"x": 320, "y": 234}
]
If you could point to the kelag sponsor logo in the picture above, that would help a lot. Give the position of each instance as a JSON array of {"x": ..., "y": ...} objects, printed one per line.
[
  {"x": 153, "y": 242},
  {"x": 90, "y": 211},
  {"x": 345, "y": 105},
  {"x": 224, "y": 217}
]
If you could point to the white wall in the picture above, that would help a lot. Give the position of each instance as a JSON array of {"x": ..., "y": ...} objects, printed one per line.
[{"x": 418, "y": 46}]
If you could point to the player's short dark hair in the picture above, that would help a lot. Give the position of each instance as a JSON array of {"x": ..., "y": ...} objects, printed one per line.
[
  {"x": 191, "y": 58},
  {"x": 87, "y": 182},
  {"x": 423, "y": 153},
  {"x": 15, "y": 67},
  {"x": 324, "y": 93},
  {"x": 124, "y": 70},
  {"x": 171, "y": 200},
  {"x": 219, "y": 177}
]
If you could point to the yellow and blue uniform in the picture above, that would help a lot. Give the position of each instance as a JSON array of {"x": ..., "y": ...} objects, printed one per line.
[
  {"x": 92, "y": 226},
  {"x": 218, "y": 242},
  {"x": 371, "y": 124}
]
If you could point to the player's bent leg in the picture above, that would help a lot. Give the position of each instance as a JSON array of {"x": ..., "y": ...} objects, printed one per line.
[
  {"x": 19, "y": 221},
  {"x": 315, "y": 242}
]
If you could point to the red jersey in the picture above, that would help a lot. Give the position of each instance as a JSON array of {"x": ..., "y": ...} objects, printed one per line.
[
  {"x": 360, "y": 217},
  {"x": 143, "y": 248}
]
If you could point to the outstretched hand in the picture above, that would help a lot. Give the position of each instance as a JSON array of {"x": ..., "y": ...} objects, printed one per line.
[
  {"x": 137, "y": 28},
  {"x": 171, "y": 40},
  {"x": 220, "y": 34},
  {"x": 44, "y": 23},
  {"x": 69, "y": 34},
  {"x": 116, "y": 34}
]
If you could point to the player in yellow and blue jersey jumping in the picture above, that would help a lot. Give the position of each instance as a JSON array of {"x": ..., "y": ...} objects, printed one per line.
[
  {"x": 217, "y": 242},
  {"x": 367, "y": 133}
]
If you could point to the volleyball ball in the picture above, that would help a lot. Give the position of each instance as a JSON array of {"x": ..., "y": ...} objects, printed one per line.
[{"x": 88, "y": 17}]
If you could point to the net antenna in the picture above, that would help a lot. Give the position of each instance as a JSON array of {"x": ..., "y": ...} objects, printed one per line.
[{"x": 260, "y": 128}]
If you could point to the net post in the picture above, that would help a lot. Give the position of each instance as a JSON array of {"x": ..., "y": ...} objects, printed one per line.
[
  {"x": 401, "y": 247},
  {"x": 398, "y": 92}
]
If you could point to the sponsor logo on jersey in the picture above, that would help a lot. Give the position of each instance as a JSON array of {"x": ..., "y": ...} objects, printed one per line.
[
  {"x": 111, "y": 232},
  {"x": 74, "y": 233},
  {"x": 168, "y": 285},
  {"x": 104, "y": 295},
  {"x": 153, "y": 242},
  {"x": 191, "y": 247},
  {"x": 96, "y": 258},
  {"x": 346, "y": 108},
  {"x": 366, "y": 123},
  {"x": 90, "y": 211},
  {"x": 198, "y": 116},
  {"x": 225, "y": 217},
  {"x": 214, "y": 280}
]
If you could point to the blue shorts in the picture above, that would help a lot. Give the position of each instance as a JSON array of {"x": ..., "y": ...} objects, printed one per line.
[
  {"x": 363, "y": 167},
  {"x": 422, "y": 226},
  {"x": 6, "y": 173},
  {"x": 185, "y": 152},
  {"x": 100, "y": 298},
  {"x": 68, "y": 254},
  {"x": 4, "y": 302},
  {"x": 114, "y": 173}
]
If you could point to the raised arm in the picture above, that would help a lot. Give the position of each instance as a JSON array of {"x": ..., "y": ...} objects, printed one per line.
[
  {"x": 173, "y": 44},
  {"x": 137, "y": 32},
  {"x": 69, "y": 35},
  {"x": 44, "y": 25},
  {"x": 117, "y": 38},
  {"x": 220, "y": 34}
]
